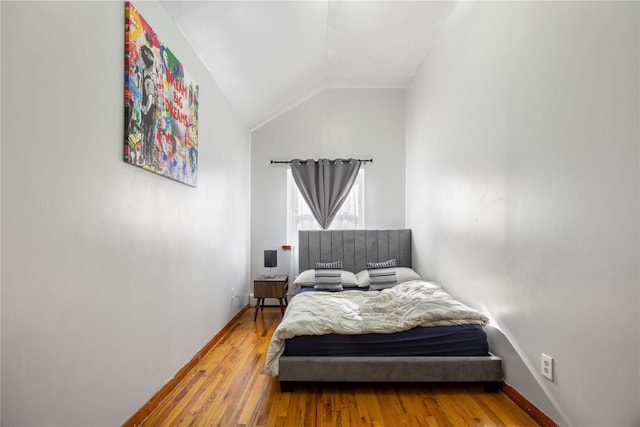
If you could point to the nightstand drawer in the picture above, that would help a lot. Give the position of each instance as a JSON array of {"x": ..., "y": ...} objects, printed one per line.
[{"x": 262, "y": 289}]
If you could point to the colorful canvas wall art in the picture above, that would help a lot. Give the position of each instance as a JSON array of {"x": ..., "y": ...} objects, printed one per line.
[{"x": 161, "y": 105}]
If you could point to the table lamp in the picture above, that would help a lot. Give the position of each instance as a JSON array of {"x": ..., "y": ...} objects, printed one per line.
[{"x": 270, "y": 260}]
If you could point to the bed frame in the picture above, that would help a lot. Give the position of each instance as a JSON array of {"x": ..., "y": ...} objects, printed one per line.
[{"x": 355, "y": 248}]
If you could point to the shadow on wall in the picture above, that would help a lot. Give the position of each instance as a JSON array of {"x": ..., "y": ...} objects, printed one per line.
[{"x": 520, "y": 375}]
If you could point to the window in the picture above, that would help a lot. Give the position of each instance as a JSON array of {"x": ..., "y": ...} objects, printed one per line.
[{"x": 299, "y": 216}]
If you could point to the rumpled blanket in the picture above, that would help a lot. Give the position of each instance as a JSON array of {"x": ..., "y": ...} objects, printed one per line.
[{"x": 403, "y": 307}]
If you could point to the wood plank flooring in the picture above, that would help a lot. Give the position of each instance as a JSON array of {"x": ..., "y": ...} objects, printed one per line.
[{"x": 228, "y": 387}]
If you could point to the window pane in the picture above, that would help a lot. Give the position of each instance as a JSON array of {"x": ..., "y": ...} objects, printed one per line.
[{"x": 299, "y": 216}]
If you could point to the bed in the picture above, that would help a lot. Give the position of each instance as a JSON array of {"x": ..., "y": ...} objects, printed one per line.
[{"x": 456, "y": 347}]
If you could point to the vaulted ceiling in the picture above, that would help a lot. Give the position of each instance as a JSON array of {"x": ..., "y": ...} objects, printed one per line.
[{"x": 268, "y": 56}]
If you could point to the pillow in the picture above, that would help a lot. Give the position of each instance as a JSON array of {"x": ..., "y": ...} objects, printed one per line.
[
  {"x": 384, "y": 264},
  {"x": 328, "y": 279},
  {"x": 382, "y": 275},
  {"x": 403, "y": 274},
  {"x": 382, "y": 278},
  {"x": 332, "y": 265},
  {"x": 348, "y": 279},
  {"x": 363, "y": 278},
  {"x": 307, "y": 279}
]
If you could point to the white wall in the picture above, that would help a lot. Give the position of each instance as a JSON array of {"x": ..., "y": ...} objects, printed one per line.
[
  {"x": 523, "y": 189},
  {"x": 336, "y": 123},
  {"x": 112, "y": 277}
]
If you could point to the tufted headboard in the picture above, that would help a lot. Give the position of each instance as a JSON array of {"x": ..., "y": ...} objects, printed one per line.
[{"x": 353, "y": 247}]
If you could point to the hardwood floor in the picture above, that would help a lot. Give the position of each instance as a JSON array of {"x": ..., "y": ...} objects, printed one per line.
[{"x": 228, "y": 387}]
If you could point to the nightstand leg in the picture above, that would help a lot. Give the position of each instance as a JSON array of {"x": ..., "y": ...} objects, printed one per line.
[
  {"x": 281, "y": 307},
  {"x": 255, "y": 316}
]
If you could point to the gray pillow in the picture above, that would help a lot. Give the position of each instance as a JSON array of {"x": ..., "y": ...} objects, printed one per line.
[
  {"x": 403, "y": 274},
  {"x": 382, "y": 275},
  {"x": 328, "y": 279},
  {"x": 383, "y": 264},
  {"x": 331, "y": 265}
]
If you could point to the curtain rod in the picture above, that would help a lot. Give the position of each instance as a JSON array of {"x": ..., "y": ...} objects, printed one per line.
[{"x": 289, "y": 161}]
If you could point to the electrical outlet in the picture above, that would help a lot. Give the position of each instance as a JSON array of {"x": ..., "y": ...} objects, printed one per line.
[{"x": 547, "y": 366}]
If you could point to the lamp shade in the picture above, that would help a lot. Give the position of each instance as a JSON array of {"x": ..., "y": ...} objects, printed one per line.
[{"x": 270, "y": 258}]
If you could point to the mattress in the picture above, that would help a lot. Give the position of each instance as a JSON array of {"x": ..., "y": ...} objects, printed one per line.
[{"x": 461, "y": 340}]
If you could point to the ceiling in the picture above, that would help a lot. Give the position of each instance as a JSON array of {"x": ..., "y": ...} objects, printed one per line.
[{"x": 268, "y": 56}]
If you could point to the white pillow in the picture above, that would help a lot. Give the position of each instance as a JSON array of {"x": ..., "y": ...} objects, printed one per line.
[
  {"x": 363, "y": 278},
  {"x": 406, "y": 274},
  {"x": 403, "y": 274},
  {"x": 308, "y": 279}
]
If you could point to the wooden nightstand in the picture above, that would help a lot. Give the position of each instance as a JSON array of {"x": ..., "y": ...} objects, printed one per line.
[{"x": 270, "y": 287}]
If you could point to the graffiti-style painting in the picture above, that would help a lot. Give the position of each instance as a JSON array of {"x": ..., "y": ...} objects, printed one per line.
[{"x": 161, "y": 105}]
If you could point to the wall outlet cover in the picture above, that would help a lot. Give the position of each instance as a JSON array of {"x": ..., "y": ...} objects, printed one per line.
[{"x": 547, "y": 366}]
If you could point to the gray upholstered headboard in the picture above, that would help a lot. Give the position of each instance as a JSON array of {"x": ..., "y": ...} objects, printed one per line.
[{"x": 353, "y": 247}]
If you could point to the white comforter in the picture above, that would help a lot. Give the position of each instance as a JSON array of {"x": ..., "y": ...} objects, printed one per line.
[{"x": 403, "y": 307}]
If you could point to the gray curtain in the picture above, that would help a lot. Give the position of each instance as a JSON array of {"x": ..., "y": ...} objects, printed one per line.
[{"x": 325, "y": 184}]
